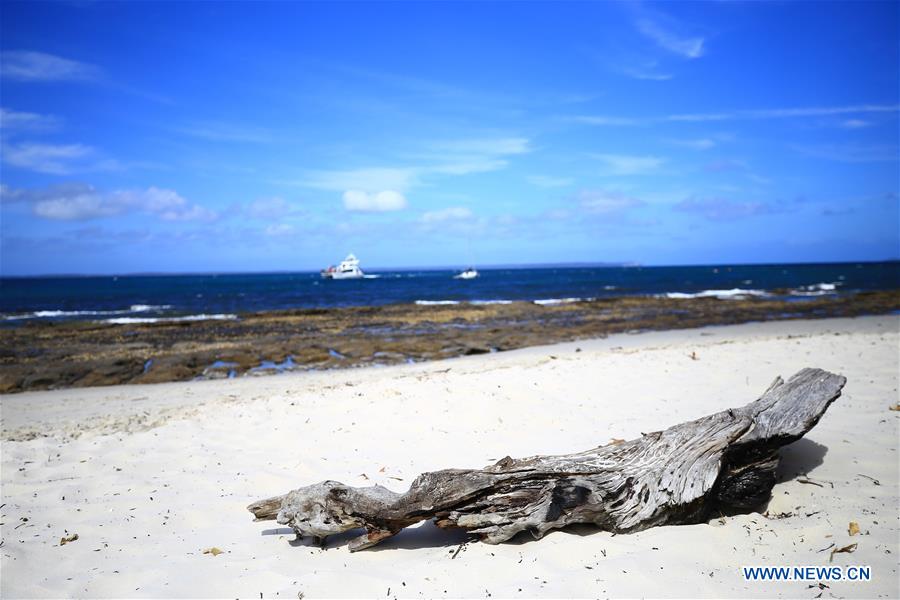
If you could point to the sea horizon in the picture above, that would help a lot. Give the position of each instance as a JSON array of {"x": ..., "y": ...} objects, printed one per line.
[{"x": 454, "y": 267}]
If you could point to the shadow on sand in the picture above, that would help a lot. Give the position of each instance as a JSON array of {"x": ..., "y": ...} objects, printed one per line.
[
  {"x": 800, "y": 458},
  {"x": 424, "y": 535}
]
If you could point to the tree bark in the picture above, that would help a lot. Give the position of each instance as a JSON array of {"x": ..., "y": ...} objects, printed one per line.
[{"x": 723, "y": 461}]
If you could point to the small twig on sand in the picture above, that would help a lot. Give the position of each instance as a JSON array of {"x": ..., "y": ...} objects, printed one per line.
[
  {"x": 807, "y": 481},
  {"x": 461, "y": 546}
]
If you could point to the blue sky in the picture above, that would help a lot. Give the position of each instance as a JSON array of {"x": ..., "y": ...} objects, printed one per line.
[{"x": 203, "y": 136}]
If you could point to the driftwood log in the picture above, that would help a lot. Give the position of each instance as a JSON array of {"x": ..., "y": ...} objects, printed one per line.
[{"x": 722, "y": 462}]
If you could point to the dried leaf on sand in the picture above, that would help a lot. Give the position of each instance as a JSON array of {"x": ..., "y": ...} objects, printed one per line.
[
  {"x": 848, "y": 549},
  {"x": 68, "y": 538}
]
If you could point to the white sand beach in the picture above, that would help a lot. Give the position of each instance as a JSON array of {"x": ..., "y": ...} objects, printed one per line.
[{"x": 150, "y": 476}]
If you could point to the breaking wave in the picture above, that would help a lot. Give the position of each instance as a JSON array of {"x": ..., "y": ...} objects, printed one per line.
[
  {"x": 67, "y": 314},
  {"x": 555, "y": 301},
  {"x": 139, "y": 320},
  {"x": 816, "y": 289},
  {"x": 721, "y": 294}
]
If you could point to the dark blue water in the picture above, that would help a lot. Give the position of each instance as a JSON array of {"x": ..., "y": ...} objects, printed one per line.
[{"x": 138, "y": 298}]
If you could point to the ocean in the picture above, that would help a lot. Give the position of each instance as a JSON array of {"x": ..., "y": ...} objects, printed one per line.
[{"x": 151, "y": 298}]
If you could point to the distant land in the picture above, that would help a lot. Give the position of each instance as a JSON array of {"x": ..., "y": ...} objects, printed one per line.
[{"x": 456, "y": 267}]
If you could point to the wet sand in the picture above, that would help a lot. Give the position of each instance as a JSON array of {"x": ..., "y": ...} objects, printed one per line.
[{"x": 40, "y": 356}]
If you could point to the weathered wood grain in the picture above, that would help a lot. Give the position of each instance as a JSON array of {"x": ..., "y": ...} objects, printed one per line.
[{"x": 723, "y": 461}]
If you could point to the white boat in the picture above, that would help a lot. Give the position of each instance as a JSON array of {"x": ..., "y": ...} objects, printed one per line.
[
  {"x": 469, "y": 273},
  {"x": 348, "y": 269}
]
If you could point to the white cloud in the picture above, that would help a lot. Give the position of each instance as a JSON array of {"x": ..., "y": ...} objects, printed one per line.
[
  {"x": 722, "y": 209},
  {"x": 626, "y": 164},
  {"x": 39, "y": 66},
  {"x": 193, "y": 212},
  {"x": 700, "y": 117},
  {"x": 783, "y": 113},
  {"x": 487, "y": 146},
  {"x": 558, "y": 214},
  {"x": 271, "y": 208},
  {"x": 168, "y": 205},
  {"x": 225, "y": 132},
  {"x": 385, "y": 201},
  {"x": 467, "y": 167},
  {"x": 159, "y": 200},
  {"x": 78, "y": 206},
  {"x": 368, "y": 179},
  {"x": 742, "y": 167},
  {"x": 53, "y": 159},
  {"x": 606, "y": 120},
  {"x": 12, "y": 120},
  {"x": 695, "y": 144},
  {"x": 279, "y": 229},
  {"x": 647, "y": 70},
  {"x": 767, "y": 113},
  {"x": 854, "y": 124},
  {"x": 80, "y": 202},
  {"x": 647, "y": 75},
  {"x": 688, "y": 47},
  {"x": 447, "y": 157},
  {"x": 452, "y": 213},
  {"x": 474, "y": 155},
  {"x": 546, "y": 181},
  {"x": 819, "y": 111},
  {"x": 851, "y": 153},
  {"x": 605, "y": 202}
]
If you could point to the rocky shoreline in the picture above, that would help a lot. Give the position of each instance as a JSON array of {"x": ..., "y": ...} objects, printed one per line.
[{"x": 40, "y": 356}]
